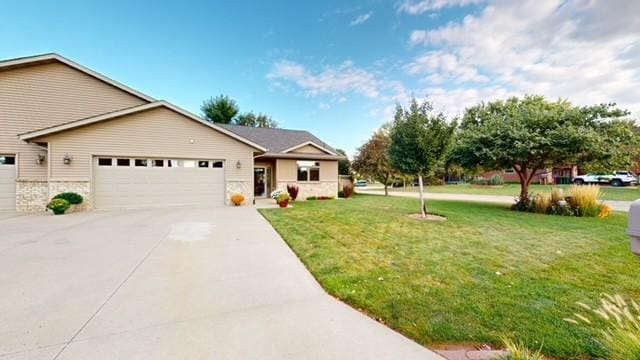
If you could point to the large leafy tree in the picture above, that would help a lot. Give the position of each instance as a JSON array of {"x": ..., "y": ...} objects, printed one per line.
[
  {"x": 420, "y": 142},
  {"x": 344, "y": 166},
  {"x": 220, "y": 109},
  {"x": 259, "y": 120},
  {"x": 532, "y": 133},
  {"x": 372, "y": 159}
]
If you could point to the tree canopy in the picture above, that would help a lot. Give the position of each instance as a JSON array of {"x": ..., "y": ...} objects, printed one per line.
[
  {"x": 372, "y": 159},
  {"x": 532, "y": 133},
  {"x": 420, "y": 141},
  {"x": 220, "y": 109},
  {"x": 251, "y": 119},
  {"x": 344, "y": 166}
]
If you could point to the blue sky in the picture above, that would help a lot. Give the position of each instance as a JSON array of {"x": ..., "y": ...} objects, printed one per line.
[{"x": 337, "y": 68}]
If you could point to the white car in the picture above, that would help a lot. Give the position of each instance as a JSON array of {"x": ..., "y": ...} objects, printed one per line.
[{"x": 618, "y": 178}]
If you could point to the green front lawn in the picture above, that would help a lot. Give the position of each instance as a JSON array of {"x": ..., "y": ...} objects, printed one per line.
[
  {"x": 485, "y": 272},
  {"x": 608, "y": 193}
]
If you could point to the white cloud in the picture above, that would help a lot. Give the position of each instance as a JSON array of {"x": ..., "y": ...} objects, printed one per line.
[
  {"x": 586, "y": 51},
  {"x": 413, "y": 7},
  {"x": 360, "y": 19},
  {"x": 342, "y": 79},
  {"x": 440, "y": 66},
  {"x": 324, "y": 106},
  {"x": 341, "y": 100}
]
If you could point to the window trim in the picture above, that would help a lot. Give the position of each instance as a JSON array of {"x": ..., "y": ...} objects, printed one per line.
[{"x": 309, "y": 167}]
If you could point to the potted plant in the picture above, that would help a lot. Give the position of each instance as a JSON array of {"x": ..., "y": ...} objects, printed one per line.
[
  {"x": 293, "y": 191},
  {"x": 276, "y": 193},
  {"x": 283, "y": 199},
  {"x": 237, "y": 199}
]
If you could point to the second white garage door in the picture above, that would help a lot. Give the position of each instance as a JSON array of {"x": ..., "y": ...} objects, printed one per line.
[
  {"x": 139, "y": 182},
  {"x": 7, "y": 182}
]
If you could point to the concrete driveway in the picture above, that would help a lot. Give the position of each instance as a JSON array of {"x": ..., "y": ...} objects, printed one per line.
[{"x": 178, "y": 283}]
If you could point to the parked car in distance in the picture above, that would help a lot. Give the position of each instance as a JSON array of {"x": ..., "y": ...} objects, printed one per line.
[
  {"x": 617, "y": 178},
  {"x": 361, "y": 183}
]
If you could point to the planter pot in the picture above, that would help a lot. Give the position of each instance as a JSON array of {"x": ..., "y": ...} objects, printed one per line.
[
  {"x": 284, "y": 204},
  {"x": 635, "y": 245}
]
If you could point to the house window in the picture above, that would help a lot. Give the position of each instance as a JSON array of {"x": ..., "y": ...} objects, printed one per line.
[
  {"x": 7, "y": 160},
  {"x": 216, "y": 164},
  {"x": 203, "y": 164},
  {"x": 141, "y": 162},
  {"x": 158, "y": 163},
  {"x": 105, "y": 162},
  {"x": 508, "y": 171},
  {"x": 308, "y": 171},
  {"x": 123, "y": 162}
]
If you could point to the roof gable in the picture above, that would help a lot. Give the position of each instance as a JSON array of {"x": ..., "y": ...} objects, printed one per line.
[
  {"x": 121, "y": 113},
  {"x": 48, "y": 58},
  {"x": 280, "y": 140}
]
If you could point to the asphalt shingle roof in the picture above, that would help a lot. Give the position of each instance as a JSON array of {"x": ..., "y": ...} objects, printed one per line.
[{"x": 274, "y": 139}]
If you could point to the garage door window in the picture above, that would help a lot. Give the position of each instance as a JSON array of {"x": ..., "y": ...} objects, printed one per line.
[
  {"x": 203, "y": 164},
  {"x": 7, "y": 160},
  {"x": 158, "y": 163},
  {"x": 141, "y": 162},
  {"x": 216, "y": 164},
  {"x": 105, "y": 162},
  {"x": 123, "y": 162}
]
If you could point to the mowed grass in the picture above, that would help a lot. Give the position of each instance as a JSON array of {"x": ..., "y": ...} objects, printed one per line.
[
  {"x": 608, "y": 193},
  {"x": 485, "y": 272}
]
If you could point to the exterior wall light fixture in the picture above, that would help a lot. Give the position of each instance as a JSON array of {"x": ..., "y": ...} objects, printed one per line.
[{"x": 67, "y": 159}]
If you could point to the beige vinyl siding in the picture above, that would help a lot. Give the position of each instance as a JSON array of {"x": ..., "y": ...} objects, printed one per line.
[
  {"x": 43, "y": 95},
  {"x": 157, "y": 133},
  {"x": 287, "y": 170},
  {"x": 308, "y": 149}
]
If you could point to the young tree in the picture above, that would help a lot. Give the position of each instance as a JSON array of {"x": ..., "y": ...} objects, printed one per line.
[
  {"x": 251, "y": 119},
  {"x": 532, "y": 133},
  {"x": 420, "y": 142},
  {"x": 344, "y": 166},
  {"x": 220, "y": 109},
  {"x": 372, "y": 159}
]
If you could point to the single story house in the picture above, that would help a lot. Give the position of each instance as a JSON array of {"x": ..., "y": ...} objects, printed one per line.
[
  {"x": 556, "y": 175},
  {"x": 64, "y": 127}
]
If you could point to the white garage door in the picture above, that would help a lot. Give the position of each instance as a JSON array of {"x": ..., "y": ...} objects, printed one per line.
[
  {"x": 7, "y": 182},
  {"x": 138, "y": 182}
]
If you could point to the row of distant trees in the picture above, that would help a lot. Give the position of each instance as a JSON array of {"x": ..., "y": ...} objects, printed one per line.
[
  {"x": 525, "y": 134},
  {"x": 224, "y": 110}
]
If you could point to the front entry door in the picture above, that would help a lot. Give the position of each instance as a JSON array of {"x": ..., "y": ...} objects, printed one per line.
[{"x": 260, "y": 182}]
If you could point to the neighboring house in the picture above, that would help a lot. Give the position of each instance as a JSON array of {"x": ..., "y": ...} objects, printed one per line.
[
  {"x": 556, "y": 175},
  {"x": 64, "y": 127}
]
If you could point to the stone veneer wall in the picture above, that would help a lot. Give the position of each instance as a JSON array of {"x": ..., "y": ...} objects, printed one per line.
[
  {"x": 306, "y": 189},
  {"x": 239, "y": 187},
  {"x": 31, "y": 195},
  {"x": 80, "y": 187}
]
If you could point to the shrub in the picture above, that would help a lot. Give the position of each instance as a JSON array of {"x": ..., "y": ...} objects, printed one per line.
[
  {"x": 618, "y": 324},
  {"x": 605, "y": 211},
  {"x": 584, "y": 199},
  {"x": 323, "y": 197},
  {"x": 293, "y": 191},
  {"x": 542, "y": 203},
  {"x": 58, "y": 206},
  {"x": 341, "y": 194},
  {"x": 518, "y": 351},
  {"x": 237, "y": 199},
  {"x": 557, "y": 195},
  {"x": 496, "y": 180},
  {"x": 312, "y": 198},
  {"x": 523, "y": 204},
  {"x": 71, "y": 197},
  {"x": 347, "y": 191},
  {"x": 480, "y": 181}
]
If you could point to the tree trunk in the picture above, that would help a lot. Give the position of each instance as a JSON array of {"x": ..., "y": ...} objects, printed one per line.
[
  {"x": 386, "y": 182},
  {"x": 423, "y": 204}
]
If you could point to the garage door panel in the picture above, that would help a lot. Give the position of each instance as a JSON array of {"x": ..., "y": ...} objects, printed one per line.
[
  {"x": 128, "y": 187},
  {"x": 7, "y": 187}
]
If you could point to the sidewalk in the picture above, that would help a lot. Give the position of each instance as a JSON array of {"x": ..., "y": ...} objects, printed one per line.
[{"x": 497, "y": 199}]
